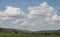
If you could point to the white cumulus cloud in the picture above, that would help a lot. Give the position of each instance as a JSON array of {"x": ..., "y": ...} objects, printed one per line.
[{"x": 11, "y": 14}]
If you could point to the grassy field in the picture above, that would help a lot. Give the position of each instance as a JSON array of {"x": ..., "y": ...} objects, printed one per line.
[
  {"x": 23, "y": 35},
  {"x": 29, "y": 36}
]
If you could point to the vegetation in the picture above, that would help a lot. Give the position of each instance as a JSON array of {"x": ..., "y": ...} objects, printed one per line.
[{"x": 4, "y": 32}]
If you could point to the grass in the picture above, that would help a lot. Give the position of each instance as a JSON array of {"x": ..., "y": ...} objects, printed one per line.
[
  {"x": 31, "y": 36},
  {"x": 23, "y": 35}
]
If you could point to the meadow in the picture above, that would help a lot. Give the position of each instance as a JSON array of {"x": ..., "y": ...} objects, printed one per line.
[{"x": 23, "y": 35}]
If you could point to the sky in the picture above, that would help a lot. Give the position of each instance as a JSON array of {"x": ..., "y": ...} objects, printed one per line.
[{"x": 30, "y": 15}]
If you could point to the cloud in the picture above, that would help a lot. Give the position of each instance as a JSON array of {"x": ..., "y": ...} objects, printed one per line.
[
  {"x": 11, "y": 14},
  {"x": 41, "y": 14},
  {"x": 55, "y": 20},
  {"x": 12, "y": 11},
  {"x": 42, "y": 10},
  {"x": 38, "y": 16}
]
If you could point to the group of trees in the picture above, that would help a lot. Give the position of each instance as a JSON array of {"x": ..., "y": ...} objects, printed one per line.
[{"x": 52, "y": 32}]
